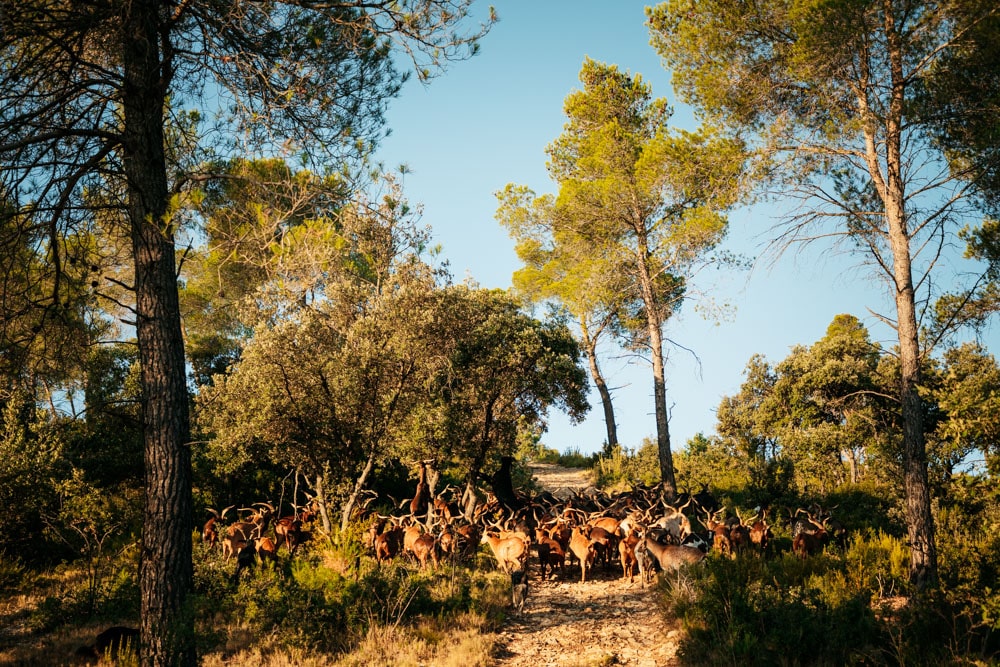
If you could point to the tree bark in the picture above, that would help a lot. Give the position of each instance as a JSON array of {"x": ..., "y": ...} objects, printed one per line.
[
  {"x": 919, "y": 520},
  {"x": 324, "y": 509},
  {"x": 590, "y": 346},
  {"x": 359, "y": 484},
  {"x": 469, "y": 497},
  {"x": 165, "y": 570},
  {"x": 654, "y": 326}
]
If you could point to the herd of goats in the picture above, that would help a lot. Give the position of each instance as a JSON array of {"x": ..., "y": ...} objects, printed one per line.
[{"x": 639, "y": 529}]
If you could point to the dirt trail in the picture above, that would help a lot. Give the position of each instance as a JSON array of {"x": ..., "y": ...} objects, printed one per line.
[{"x": 605, "y": 621}]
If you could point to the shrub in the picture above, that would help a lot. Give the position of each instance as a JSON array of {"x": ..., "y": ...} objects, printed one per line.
[
  {"x": 14, "y": 576},
  {"x": 622, "y": 467},
  {"x": 784, "y": 611},
  {"x": 331, "y": 599},
  {"x": 543, "y": 454},
  {"x": 574, "y": 458}
]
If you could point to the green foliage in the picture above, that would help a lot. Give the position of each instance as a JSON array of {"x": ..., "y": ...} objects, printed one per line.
[
  {"x": 624, "y": 468},
  {"x": 313, "y": 603},
  {"x": 14, "y": 575},
  {"x": 572, "y": 457},
  {"x": 639, "y": 210},
  {"x": 821, "y": 419},
  {"x": 72, "y": 600},
  {"x": 712, "y": 461},
  {"x": 756, "y": 612},
  {"x": 803, "y": 82},
  {"x": 964, "y": 390},
  {"x": 856, "y": 605},
  {"x": 543, "y": 454},
  {"x": 960, "y": 95},
  {"x": 32, "y": 468}
]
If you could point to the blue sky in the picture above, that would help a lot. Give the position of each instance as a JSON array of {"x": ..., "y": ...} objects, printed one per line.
[{"x": 486, "y": 122}]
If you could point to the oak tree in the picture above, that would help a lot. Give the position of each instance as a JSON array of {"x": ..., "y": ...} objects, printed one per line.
[{"x": 502, "y": 372}]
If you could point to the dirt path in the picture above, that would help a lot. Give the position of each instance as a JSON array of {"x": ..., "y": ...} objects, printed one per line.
[{"x": 605, "y": 621}]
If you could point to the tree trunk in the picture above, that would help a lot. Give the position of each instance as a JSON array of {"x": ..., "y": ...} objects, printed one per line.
[
  {"x": 590, "y": 346},
  {"x": 165, "y": 570},
  {"x": 919, "y": 520},
  {"x": 359, "y": 484},
  {"x": 654, "y": 326},
  {"x": 433, "y": 477},
  {"x": 852, "y": 465},
  {"x": 469, "y": 497},
  {"x": 324, "y": 510}
]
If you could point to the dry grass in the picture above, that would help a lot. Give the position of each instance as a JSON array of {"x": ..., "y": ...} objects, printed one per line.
[
  {"x": 462, "y": 641},
  {"x": 445, "y": 639},
  {"x": 458, "y": 642},
  {"x": 24, "y": 644},
  {"x": 53, "y": 648}
]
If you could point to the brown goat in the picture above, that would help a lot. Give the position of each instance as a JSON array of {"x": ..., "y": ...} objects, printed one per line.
[
  {"x": 561, "y": 533},
  {"x": 720, "y": 534},
  {"x": 605, "y": 544},
  {"x": 626, "y": 554},
  {"x": 410, "y": 536},
  {"x": 468, "y": 538},
  {"x": 608, "y": 523},
  {"x": 266, "y": 549},
  {"x": 511, "y": 552},
  {"x": 241, "y": 533},
  {"x": 760, "y": 534},
  {"x": 556, "y": 554},
  {"x": 209, "y": 532},
  {"x": 542, "y": 551},
  {"x": 288, "y": 531},
  {"x": 447, "y": 541},
  {"x": 422, "y": 496},
  {"x": 581, "y": 547},
  {"x": 424, "y": 547},
  {"x": 388, "y": 544},
  {"x": 672, "y": 556},
  {"x": 739, "y": 539},
  {"x": 807, "y": 544}
]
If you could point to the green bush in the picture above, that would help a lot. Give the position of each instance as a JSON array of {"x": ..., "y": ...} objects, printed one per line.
[
  {"x": 574, "y": 458},
  {"x": 543, "y": 454},
  {"x": 623, "y": 468},
  {"x": 750, "y": 611},
  {"x": 877, "y": 562},
  {"x": 840, "y": 608},
  {"x": 14, "y": 576},
  {"x": 342, "y": 594}
]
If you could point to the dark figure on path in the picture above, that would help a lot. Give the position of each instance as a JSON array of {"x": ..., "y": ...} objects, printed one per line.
[
  {"x": 503, "y": 485},
  {"x": 519, "y": 592}
]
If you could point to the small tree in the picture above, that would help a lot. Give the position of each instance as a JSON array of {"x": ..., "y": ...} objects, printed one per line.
[
  {"x": 965, "y": 392},
  {"x": 501, "y": 372}
]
